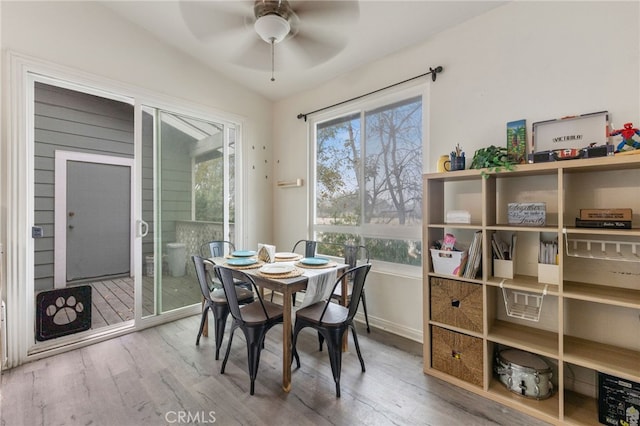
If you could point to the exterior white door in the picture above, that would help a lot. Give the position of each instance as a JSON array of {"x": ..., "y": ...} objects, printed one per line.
[{"x": 94, "y": 226}]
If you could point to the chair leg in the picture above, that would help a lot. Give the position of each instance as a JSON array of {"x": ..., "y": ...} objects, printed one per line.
[
  {"x": 293, "y": 299},
  {"x": 220, "y": 314},
  {"x": 205, "y": 311},
  {"x": 320, "y": 341},
  {"x": 226, "y": 355},
  {"x": 355, "y": 341},
  {"x": 255, "y": 340},
  {"x": 364, "y": 307},
  {"x": 334, "y": 347},
  {"x": 296, "y": 329}
]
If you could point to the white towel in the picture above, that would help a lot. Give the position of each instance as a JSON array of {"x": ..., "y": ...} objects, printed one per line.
[{"x": 319, "y": 286}]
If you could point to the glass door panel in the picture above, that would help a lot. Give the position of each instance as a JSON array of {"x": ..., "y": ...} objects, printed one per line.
[
  {"x": 191, "y": 195},
  {"x": 149, "y": 269}
]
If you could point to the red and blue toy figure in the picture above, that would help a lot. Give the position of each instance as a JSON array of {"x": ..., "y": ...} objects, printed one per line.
[{"x": 628, "y": 143}]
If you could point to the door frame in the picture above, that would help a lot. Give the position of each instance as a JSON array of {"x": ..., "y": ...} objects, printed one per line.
[
  {"x": 18, "y": 189},
  {"x": 60, "y": 209}
]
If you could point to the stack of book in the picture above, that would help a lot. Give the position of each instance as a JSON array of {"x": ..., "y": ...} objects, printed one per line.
[
  {"x": 604, "y": 218},
  {"x": 475, "y": 256}
]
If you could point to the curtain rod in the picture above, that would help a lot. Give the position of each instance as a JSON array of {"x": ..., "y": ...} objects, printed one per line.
[{"x": 433, "y": 71}]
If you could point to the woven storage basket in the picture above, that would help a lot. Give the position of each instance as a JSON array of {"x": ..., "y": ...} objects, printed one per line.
[
  {"x": 457, "y": 354},
  {"x": 456, "y": 303}
]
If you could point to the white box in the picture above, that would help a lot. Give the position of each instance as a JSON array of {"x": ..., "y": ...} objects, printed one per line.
[
  {"x": 575, "y": 132},
  {"x": 503, "y": 268},
  {"x": 548, "y": 273},
  {"x": 448, "y": 262},
  {"x": 458, "y": 216}
]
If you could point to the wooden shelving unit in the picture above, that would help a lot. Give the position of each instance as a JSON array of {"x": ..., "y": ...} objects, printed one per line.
[{"x": 590, "y": 319}]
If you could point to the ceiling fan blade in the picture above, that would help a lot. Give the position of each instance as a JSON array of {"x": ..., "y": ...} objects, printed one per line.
[
  {"x": 312, "y": 47},
  {"x": 210, "y": 19},
  {"x": 326, "y": 13},
  {"x": 256, "y": 54}
]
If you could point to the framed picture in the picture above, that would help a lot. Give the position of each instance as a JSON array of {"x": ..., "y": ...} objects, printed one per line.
[{"x": 517, "y": 141}]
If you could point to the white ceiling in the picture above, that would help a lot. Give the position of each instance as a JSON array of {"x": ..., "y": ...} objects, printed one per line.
[{"x": 370, "y": 31}]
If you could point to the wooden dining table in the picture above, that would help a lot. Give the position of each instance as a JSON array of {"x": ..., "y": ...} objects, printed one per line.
[{"x": 287, "y": 287}]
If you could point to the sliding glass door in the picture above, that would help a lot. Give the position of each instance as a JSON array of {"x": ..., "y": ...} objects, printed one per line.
[
  {"x": 188, "y": 199},
  {"x": 123, "y": 196}
]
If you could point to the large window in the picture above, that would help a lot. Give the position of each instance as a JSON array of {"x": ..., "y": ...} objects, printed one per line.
[{"x": 368, "y": 179}]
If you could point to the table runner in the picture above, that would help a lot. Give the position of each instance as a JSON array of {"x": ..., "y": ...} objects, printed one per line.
[{"x": 319, "y": 285}]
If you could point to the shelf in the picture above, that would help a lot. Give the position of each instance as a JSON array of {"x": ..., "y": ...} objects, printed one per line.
[
  {"x": 599, "y": 301},
  {"x": 633, "y": 232},
  {"x": 580, "y": 409},
  {"x": 545, "y": 407},
  {"x": 613, "y": 360},
  {"x": 524, "y": 283},
  {"x": 453, "y": 277},
  {"x": 472, "y": 226},
  {"x": 529, "y": 339},
  {"x": 458, "y": 175},
  {"x": 456, "y": 329},
  {"x": 514, "y": 228},
  {"x": 617, "y": 296}
]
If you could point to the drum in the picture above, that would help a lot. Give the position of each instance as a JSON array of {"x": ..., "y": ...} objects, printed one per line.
[{"x": 524, "y": 373}]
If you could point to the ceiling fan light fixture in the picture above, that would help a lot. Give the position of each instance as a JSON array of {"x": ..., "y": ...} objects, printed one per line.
[{"x": 272, "y": 28}]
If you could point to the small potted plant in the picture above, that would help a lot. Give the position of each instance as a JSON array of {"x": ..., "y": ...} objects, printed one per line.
[{"x": 493, "y": 158}]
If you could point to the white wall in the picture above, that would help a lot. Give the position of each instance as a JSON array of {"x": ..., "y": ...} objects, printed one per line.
[{"x": 531, "y": 60}]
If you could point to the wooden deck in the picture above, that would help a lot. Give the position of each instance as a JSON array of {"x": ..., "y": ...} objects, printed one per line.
[{"x": 113, "y": 300}]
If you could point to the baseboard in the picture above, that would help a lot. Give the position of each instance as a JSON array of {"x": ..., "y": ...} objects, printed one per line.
[
  {"x": 380, "y": 323},
  {"x": 391, "y": 327}
]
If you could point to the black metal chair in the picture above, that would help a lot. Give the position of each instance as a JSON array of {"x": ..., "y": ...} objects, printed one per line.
[
  {"x": 352, "y": 255},
  {"x": 331, "y": 321},
  {"x": 215, "y": 300},
  {"x": 216, "y": 248},
  {"x": 254, "y": 319},
  {"x": 219, "y": 248},
  {"x": 309, "y": 247}
]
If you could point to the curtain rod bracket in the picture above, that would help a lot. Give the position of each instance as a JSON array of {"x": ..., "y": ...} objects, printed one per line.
[{"x": 433, "y": 71}]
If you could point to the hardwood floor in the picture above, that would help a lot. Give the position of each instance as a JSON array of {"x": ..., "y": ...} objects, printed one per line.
[{"x": 158, "y": 376}]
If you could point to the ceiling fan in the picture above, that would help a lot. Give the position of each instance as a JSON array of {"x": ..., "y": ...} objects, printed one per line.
[{"x": 307, "y": 33}]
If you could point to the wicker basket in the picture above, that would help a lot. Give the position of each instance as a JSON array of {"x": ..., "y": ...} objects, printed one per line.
[
  {"x": 457, "y": 354},
  {"x": 456, "y": 303}
]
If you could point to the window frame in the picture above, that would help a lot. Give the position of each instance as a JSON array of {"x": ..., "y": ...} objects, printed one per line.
[{"x": 361, "y": 107}]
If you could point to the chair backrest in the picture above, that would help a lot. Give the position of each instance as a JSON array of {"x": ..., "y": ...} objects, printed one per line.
[
  {"x": 309, "y": 247},
  {"x": 226, "y": 276},
  {"x": 355, "y": 253},
  {"x": 201, "y": 273},
  {"x": 359, "y": 274},
  {"x": 216, "y": 248}
]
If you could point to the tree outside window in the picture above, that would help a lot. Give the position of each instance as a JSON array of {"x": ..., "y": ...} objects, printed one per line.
[{"x": 369, "y": 180}]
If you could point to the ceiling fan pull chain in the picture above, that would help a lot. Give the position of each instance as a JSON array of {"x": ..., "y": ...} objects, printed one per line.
[{"x": 273, "y": 48}]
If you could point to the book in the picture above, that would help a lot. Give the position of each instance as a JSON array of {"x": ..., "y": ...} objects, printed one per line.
[
  {"x": 606, "y": 224},
  {"x": 475, "y": 255},
  {"x": 517, "y": 141},
  {"x": 606, "y": 214}
]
